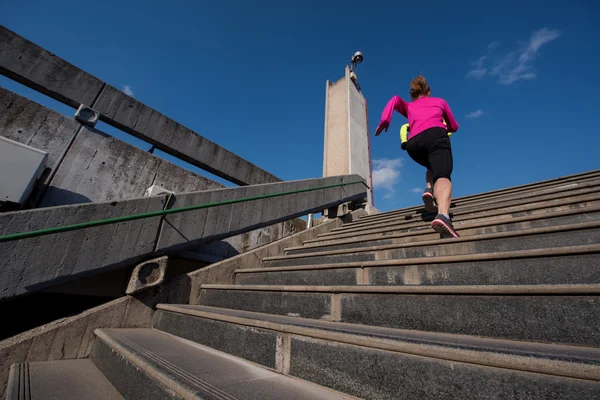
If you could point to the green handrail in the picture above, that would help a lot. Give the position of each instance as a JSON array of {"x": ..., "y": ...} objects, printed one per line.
[{"x": 114, "y": 220}]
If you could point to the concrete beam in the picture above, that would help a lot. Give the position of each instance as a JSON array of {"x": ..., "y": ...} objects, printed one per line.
[
  {"x": 31, "y": 65},
  {"x": 40, "y": 262}
]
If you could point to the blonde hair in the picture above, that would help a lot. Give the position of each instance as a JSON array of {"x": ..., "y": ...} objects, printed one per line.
[{"x": 419, "y": 87}]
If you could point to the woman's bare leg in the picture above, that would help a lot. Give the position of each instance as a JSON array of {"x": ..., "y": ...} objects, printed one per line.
[{"x": 443, "y": 195}]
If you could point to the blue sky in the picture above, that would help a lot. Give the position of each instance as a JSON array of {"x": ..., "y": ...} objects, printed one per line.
[{"x": 520, "y": 76}]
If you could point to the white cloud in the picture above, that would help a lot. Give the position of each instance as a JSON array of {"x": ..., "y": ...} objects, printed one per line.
[
  {"x": 515, "y": 65},
  {"x": 474, "y": 114},
  {"x": 417, "y": 190},
  {"x": 128, "y": 90},
  {"x": 478, "y": 70},
  {"x": 495, "y": 44},
  {"x": 386, "y": 175},
  {"x": 477, "y": 73}
]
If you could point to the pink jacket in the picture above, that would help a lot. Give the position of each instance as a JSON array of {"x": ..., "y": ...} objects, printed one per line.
[{"x": 422, "y": 114}]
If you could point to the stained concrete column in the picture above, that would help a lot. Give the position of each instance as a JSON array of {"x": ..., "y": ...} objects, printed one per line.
[{"x": 346, "y": 149}]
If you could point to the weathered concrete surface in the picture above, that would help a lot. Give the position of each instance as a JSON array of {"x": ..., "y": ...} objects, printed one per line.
[
  {"x": 370, "y": 237},
  {"x": 34, "y": 263},
  {"x": 377, "y": 374},
  {"x": 553, "y": 319},
  {"x": 148, "y": 274},
  {"x": 41, "y": 70},
  {"x": 346, "y": 149},
  {"x": 29, "y": 123},
  {"x": 99, "y": 168},
  {"x": 193, "y": 322},
  {"x": 102, "y": 168},
  {"x": 209, "y": 224},
  {"x": 60, "y": 380},
  {"x": 537, "y": 238},
  {"x": 250, "y": 343},
  {"x": 528, "y": 313},
  {"x": 573, "y": 268},
  {"x": 359, "y": 135},
  {"x": 302, "y": 305},
  {"x": 337, "y": 141},
  {"x": 151, "y": 365},
  {"x": 73, "y": 337},
  {"x": 235, "y": 245}
]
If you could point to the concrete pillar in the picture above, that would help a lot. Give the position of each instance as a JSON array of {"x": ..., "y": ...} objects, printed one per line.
[{"x": 346, "y": 132}]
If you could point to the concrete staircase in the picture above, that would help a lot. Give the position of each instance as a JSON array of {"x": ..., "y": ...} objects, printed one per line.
[{"x": 380, "y": 308}]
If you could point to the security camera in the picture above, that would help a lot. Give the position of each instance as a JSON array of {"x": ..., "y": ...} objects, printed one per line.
[{"x": 357, "y": 57}]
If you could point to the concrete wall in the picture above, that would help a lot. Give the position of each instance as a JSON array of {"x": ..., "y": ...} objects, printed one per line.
[
  {"x": 36, "y": 263},
  {"x": 335, "y": 157},
  {"x": 29, "y": 123},
  {"x": 87, "y": 165},
  {"x": 358, "y": 135},
  {"x": 103, "y": 168},
  {"x": 96, "y": 167},
  {"x": 29, "y": 64},
  {"x": 346, "y": 149}
]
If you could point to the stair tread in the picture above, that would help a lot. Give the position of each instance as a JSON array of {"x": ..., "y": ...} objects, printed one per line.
[
  {"x": 59, "y": 380},
  {"x": 192, "y": 370},
  {"x": 470, "y": 218},
  {"x": 567, "y": 289},
  {"x": 533, "y": 253},
  {"x": 462, "y": 224},
  {"x": 362, "y": 236},
  {"x": 459, "y": 347},
  {"x": 431, "y": 242},
  {"x": 518, "y": 196},
  {"x": 465, "y": 209},
  {"x": 555, "y": 182}
]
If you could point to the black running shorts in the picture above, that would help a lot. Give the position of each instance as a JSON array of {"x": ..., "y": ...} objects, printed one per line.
[{"x": 431, "y": 148}]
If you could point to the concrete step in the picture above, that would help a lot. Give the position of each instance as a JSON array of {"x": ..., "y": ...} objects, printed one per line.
[
  {"x": 374, "y": 363},
  {"x": 566, "y": 265},
  {"x": 59, "y": 380},
  {"x": 466, "y": 213},
  {"x": 422, "y": 215},
  {"x": 515, "y": 211},
  {"x": 466, "y": 228},
  {"x": 149, "y": 364},
  {"x": 573, "y": 187},
  {"x": 514, "y": 189},
  {"x": 526, "y": 239},
  {"x": 490, "y": 195},
  {"x": 565, "y": 314}
]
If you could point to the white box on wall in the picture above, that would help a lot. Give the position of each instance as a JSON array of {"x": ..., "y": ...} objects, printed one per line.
[
  {"x": 20, "y": 167},
  {"x": 155, "y": 190}
]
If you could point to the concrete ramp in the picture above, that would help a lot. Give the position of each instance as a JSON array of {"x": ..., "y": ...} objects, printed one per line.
[{"x": 32, "y": 263}]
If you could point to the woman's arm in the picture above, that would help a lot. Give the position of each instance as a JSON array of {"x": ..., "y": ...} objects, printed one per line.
[
  {"x": 395, "y": 103},
  {"x": 449, "y": 117}
]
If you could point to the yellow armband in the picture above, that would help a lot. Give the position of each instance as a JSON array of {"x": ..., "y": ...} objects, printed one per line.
[
  {"x": 404, "y": 133},
  {"x": 449, "y": 133},
  {"x": 405, "y": 129}
]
